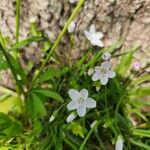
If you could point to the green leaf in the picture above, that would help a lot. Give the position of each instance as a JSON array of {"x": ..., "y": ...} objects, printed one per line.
[
  {"x": 49, "y": 74},
  {"x": 142, "y": 145},
  {"x": 142, "y": 133},
  {"x": 9, "y": 126},
  {"x": 35, "y": 106},
  {"x": 125, "y": 63},
  {"x": 139, "y": 92},
  {"x": 50, "y": 94},
  {"x": 37, "y": 128},
  {"x": 3, "y": 65},
  {"x": 140, "y": 79},
  {"x": 124, "y": 121},
  {"x": 18, "y": 69},
  {"x": 26, "y": 42}
]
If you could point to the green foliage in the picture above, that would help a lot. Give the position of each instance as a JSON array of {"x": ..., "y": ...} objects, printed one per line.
[
  {"x": 25, "y": 121},
  {"x": 9, "y": 126}
]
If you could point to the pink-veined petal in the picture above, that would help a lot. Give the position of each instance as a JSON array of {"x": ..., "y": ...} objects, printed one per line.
[
  {"x": 74, "y": 94},
  {"x": 96, "y": 76},
  {"x": 104, "y": 80},
  {"x": 106, "y": 64},
  {"x": 72, "y": 105},
  {"x": 84, "y": 94},
  {"x": 111, "y": 74},
  {"x": 90, "y": 103},
  {"x": 81, "y": 111}
]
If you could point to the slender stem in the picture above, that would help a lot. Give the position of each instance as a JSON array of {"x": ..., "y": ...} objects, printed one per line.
[
  {"x": 18, "y": 3},
  {"x": 106, "y": 105},
  {"x": 76, "y": 10},
  {"x": 88, "y": 136}
]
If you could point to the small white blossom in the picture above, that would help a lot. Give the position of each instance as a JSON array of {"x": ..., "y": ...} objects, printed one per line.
[
  {"x": 72, "y": 1},
  {"x": 71, "y": 27},
  {"x": 71, "y": 117},
  {"x": 93, "y": 124},
  {"x": 103, "y": 73},
  {"x": 106, "y": 56},
  {"x": 94, "y": 37},
  {"x": 90, "y": 71},
  {"x": 51, "y": 118},
  {"x": 80, "y": 101},
  {"x": 119, "y": 144}
]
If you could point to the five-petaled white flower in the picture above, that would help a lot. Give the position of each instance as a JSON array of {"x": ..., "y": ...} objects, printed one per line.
[
  {"x": 71, "y": 27},
  {"x": 119, "y": 144},
  {"x": 106, "y": 56},
  {"x": 80, "y": 101},
  {"x": 94, "y": 37},
  {"x": 103, "y": 73}
]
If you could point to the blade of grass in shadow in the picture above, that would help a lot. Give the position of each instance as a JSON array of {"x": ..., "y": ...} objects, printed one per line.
[{"x": 88, "y": 136}]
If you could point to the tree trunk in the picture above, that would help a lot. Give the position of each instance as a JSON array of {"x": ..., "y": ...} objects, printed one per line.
[{"x": 127, "y": 20}]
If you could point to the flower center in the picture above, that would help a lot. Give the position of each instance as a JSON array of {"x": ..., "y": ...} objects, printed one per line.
[
  {"x": 80, "y": 101},
  {"x": 103, "y": 71}
]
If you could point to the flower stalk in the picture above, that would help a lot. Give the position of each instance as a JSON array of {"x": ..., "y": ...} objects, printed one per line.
[{"x": 75, "y": 12}]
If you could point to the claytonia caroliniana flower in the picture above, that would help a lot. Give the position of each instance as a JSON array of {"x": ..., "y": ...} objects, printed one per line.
[
  {"x": 80, "y": 101},
  {"x": 106, "y": 56},
  {"x": 119, "y": 144},
  {"x": 103, "y": 73},
  {"x": 71, "y": 27},
  {"x": 94, "y": 37},
  {"x": 136, "y": 66},
  {"x": 71, "y": 117}
]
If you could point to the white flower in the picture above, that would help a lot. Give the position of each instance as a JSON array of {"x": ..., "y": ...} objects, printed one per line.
[
  {"x": 106, "y": 56},
  {"x": 80, "y": 101},
  {"x": 103, "y": 73},
  {"x": 119, "y": 144},
  {"x": 71, "y": 27},
  {"x": 71, "y": 117},
  {"x": 94, "y": 37},
  {"x": 51, "y": 118},
  {"x": 72, "y": 1}
]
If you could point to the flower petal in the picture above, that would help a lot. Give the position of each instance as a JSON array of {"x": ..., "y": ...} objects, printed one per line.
[
  {"x": 71, "y": 27},
  {"x": 119, "y": 144},
  {"x": 74, "y": 94},
  {"x": 84, "y": 94},
  {"x": 99, "y": 35},
  {"x": 92, "y": 28},
  {"x": 104, "y": 80},
  {"x": 97, "y": 42},
  {"x": 96, "y": 76},
  {"x": 111, "y": 74},
  {"x": 106, "y": 64},
  {"x": 71, "y": 117},
  {"x": 87, "y": 34},
  {"x": 90, "y": 103},
  {"x": 81, "y": 111},
  {"x": 73, "y": 105}
]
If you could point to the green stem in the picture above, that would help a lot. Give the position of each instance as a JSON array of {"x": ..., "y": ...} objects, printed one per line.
[
  {"x": 17, "y": 19},
  {"x": 11, "y": 68},
  {"x": 88, "y": 136},
  {"x": 75, "y": 12},
  {"x": 106, "y": 106}
]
